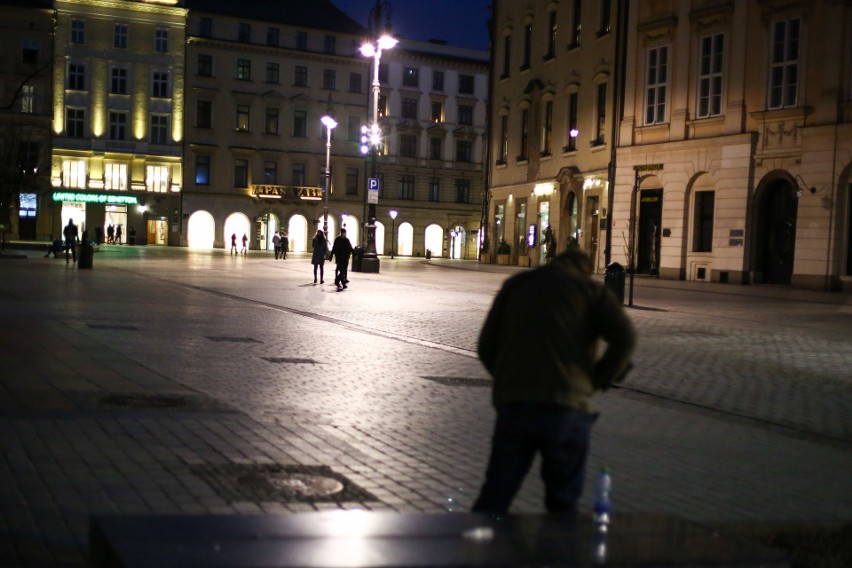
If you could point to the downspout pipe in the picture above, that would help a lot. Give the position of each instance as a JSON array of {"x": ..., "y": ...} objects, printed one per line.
[{"x": 619, "y": 72}]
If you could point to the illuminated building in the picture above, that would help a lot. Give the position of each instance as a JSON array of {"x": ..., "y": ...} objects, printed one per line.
[{"x": 118, "y": 117}]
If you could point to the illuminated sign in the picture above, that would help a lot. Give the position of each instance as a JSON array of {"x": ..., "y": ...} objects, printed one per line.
[
  {"x": 295, "y": 192},
  {"x": 111, "y": 198}
]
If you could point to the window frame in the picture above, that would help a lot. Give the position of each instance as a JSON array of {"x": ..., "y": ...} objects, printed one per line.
[
  {"x": 711, "y": 75},
  {"x": 703, "y": 220},
  {"x": 407, "y": 184},
  {"x": 785, "y": 64},
  {"x": 656, "y": 86},
  {"x": 202, "y": 168},
  {"x": 161, "y": 40},
  {"x": 162, "y": 129},
  {"x": 119, "y": 36}
]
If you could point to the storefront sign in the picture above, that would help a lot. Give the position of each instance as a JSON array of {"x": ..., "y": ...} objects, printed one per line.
[
  {"x": 109, "y": 198},
  {"x": 293, "y": 192}
]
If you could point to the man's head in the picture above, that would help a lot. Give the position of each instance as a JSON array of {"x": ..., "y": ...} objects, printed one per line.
[
  {"x": 577, "y": 259},
  {"x": 342, "y": 232}
]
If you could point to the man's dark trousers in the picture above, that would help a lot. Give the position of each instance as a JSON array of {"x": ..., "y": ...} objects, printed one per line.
[{"x": 559, "y": 433}]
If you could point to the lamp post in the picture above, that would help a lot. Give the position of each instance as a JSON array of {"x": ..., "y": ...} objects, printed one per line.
[
  {"x": 393, "y": 213},
  {"x": 381, "y": 41},
  {"x": 329, "y": 123}
]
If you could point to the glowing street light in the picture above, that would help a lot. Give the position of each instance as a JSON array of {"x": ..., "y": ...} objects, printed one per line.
[
  {"x": 330, "y": 124},
  {"x": 393, "y": 213}
]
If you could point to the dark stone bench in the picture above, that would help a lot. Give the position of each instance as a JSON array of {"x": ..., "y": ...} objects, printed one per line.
[{"x": 370, "y": 539}]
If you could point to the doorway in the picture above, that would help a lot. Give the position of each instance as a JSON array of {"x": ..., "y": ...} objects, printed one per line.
[
  {"x": 776, "y": 232},
  {"x": 157, "y": 231},
  {"x": 650, "y": 218}
]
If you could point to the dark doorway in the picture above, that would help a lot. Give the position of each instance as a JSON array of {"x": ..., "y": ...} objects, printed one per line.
[
  {"x": 650, "y": 218},
  {"x": 776, "y": 232}
]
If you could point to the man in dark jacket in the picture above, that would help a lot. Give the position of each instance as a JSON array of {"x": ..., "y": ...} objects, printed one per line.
[
  {"x": 341, "y": 250},
  {"x": 539, "y": 343}
]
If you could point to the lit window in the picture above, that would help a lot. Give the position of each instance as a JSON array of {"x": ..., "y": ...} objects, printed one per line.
[
  {"x": 115, "y": 176},
  {"x": 202, "y": 170},
  {"x": 74, "y": 174},
  {"x": 28, "y": 99},
  {"x": 157, "y": 178},
  {"x": 244, "y": 69},
  {"x": 243, "y": 115}
]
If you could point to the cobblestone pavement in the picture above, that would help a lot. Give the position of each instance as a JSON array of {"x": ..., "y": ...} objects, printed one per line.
[{"x": 738, "y": 408}]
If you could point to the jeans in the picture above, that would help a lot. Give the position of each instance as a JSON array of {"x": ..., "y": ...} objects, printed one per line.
[{"x": 559, "y": 433}]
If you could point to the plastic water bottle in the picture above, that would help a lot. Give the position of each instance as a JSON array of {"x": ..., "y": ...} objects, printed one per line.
[{"x": 602, "y": 507}]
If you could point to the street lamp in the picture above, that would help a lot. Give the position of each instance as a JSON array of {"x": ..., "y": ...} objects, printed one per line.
[
  {"x": 393, "y": 213},
  {"x": 330, "y": 124},
  {"x": 381, "y": 42}
]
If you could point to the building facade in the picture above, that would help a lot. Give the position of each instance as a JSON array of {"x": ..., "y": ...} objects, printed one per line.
[
  {"x": 118, "y": 118},
  {"x": 735, "y": 150},
  {"x": 553, "y": 68},
  {"x": 26, "y": 42}
]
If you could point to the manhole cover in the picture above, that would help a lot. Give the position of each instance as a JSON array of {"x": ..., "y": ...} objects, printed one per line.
[
  {"x": 143, "y": 401},
  {"x": 281, "y": 483},
  {"x": 297, "y": 485}
]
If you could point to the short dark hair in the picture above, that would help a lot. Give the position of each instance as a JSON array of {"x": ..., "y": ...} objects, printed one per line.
[{"x": 578, "y": 259}]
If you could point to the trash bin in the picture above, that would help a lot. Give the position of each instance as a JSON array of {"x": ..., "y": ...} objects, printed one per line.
[
  {"x": 357, "y": 259},
  {"x": 87, "y": 254},
  {"x": 614, "y": 280}
]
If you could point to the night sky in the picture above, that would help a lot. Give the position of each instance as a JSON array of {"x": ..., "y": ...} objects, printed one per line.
[{"x": 461, "y": 23}]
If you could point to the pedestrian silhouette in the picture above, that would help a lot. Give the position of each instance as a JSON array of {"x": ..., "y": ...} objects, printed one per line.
[
  {"x": 340, "y": 252},
  {"x": 320, "y": 249},
  {"x": 558, "y": 313},
  {"x": 245, "y": 240},
  {"x": 234, "y": 243}
]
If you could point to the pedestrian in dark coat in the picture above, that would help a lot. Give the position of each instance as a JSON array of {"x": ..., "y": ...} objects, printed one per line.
[
  {"x": 285, "y": 246},
  {"x": 320, "y": 248},
  {"x": 341, "y": 251}
]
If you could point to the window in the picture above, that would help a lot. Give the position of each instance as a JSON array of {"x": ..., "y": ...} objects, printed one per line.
[
  {"x": 205, "y": 65},
  {"x": 466, "y": 84},
  {"x": 78, "y": 31},
  {"x": 464, "y": 151},
  {"x": 30, "y": 51},
  {"x": 329, "y": 44},
  {"x": 466, "y": 114},
  {"x": 438, "y": 81},
  {"x": 525, "y": 120},
  {"x": 75, "y": 120},
  {"x": 298, "y": 174},
  {"x": 605, "y": 25},
  {"x": 600, "y": 110},
  {"x": 576, "y": 23},
  {"x": 351, "y": 181},
  {"x": 119, "y": 36},
  {"x": 573, "y": 118},
  {"x": 527, "y": 46},
  {"x": 702, "y": 234},
  {"x": 504, "y": 140},
  {"x": 160, "y": 84},
  {"x": 243, "y": 118},
  {"x": 462, "y": 191},
  {"x": 244, "y": 69},
  {"x": 202, "y": 170},
  {"x": 115, "y": 176},
  {"x": 300, "y": 76},
  {"x": 355, "y": 82},
  {"x": 270, "y": 122},
  {"x": 329, "y": 79},
  {"x": 507, "y": 56},
  {"x": 302, "y": 40},
  {"x": 28, "y": 157},
  {"x": 409, "y": 108},
  {"x": 273, "y": 36},
  {"x": 205, "y": 27},
  {"x": 157, "y": 178},
  {"x": 118, "y": 81},
  {"x": 784, "y": 64},
  {"x": 710, "y": 76},
  {"x": 28, "y": 99},
  {"x": 437, "y": 112},
  {"x": 76, "y": 76},
  {"x": 551, "y": 36},
  {"x": 436, "y": 148},
  {"x": 204, "y": 114},
  {"x": 411, "y": 77},
  {"x": 159, "y": 129},
  {"x": 161, "y": 41},
  {"x": 27, "y": 203},
  {"x": 74, "y": 173},
  {"x": 406, "y": 187},
  {"x": 118, "y": 125},
  {"x": 273, "y": 72},
  {"x": 244, "y": 33},
  {"x": 300, "y": 124},
  {"x": 240, "y": 173},
  {"x": 408, "y": 145},
  {"x": 383, "y": 106},
  {"x": 270, "y": 172},
  {"x": 435, "y": 189},
  {"x": 655, "y": 89},
  {"x": 383, "y": 73},
  {"x": 547, "y": 128}
]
